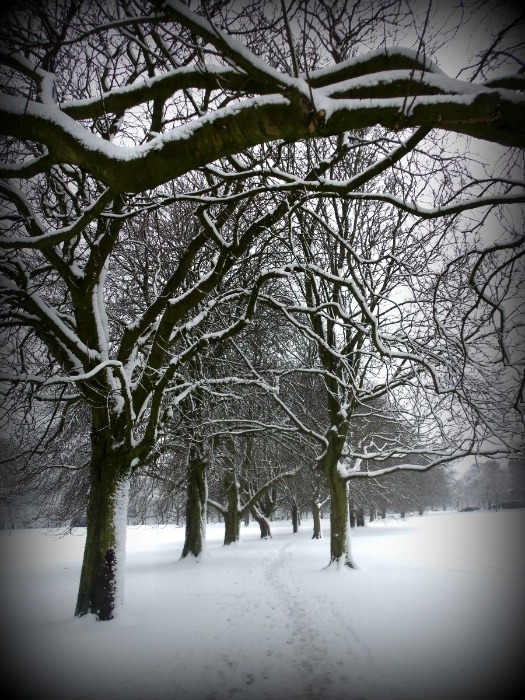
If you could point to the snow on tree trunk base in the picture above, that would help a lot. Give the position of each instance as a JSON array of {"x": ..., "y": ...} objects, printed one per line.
[
  {"x": 340, "y": 551},
  {"x": 342, "y": 564},
  {"x": 101, "y": 588},
  {"x": 264, "y": 524},
  {"x": 316, "y": 512}
]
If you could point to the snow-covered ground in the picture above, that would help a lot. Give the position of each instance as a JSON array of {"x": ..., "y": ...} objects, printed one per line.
[{"x": 434, "y": 612}]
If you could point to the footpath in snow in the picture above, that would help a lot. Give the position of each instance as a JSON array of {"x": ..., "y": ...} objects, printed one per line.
[{"x": 434, "y": 611}]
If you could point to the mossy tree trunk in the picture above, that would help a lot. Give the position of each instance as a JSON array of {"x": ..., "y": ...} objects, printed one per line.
[
  {"x": 196, "y": 503},
  {"x": 232, "y": 527},
  {"x": 340, "y": 551},
  {"x": 101, "y": 578}
]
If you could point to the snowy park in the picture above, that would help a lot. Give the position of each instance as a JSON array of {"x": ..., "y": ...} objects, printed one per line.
[
  {"x": 262, "y": 368},
  {"x": 433, "y": 611}
]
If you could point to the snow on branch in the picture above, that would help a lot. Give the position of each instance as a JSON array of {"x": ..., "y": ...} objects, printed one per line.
[
  {"x": 235, "y": 52},
  {"x": 439, "y": 459},
  {"x": 294, "y": 110},
  {"x": 52, "y": 238},
  {"x": 346, "y": 190}
]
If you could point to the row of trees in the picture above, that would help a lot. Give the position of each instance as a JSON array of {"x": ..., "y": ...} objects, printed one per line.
[
  {"x": 238, "y": 463},
  {"x": 243, "y": 480},
  {"x": 492, "y": 485},
  {"x": 228, "y": 220}
]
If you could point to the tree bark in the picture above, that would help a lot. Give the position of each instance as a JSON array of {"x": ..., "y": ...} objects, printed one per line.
[
  {"x": 316, "y": 512},
  {"x": 268, "y": 502},
  {"x": 295, "y": 518},
  {"x": 263, "y": 522},
  {"x": 232, "y": 520},
  {"x": 101, "y": 578},
  {"x": 196, "y": 504},
  {"x": 339, "y": 520},
  {"x": 223, "y": 134},
  {"x": 232, "y": 524}
]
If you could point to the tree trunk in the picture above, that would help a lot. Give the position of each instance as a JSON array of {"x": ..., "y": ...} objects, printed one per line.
[
  {"x": 263, "y": 522},
  {"x": 232, "y": 520},
  {"x": 232, "y": 524},
  {"x": 101, "y": 578},
  {"x": 339, "y": 520},
  {"x": 316, "y": 512},
  {"x": 360, "y": 518},
  {"x": 268, "y": 502},
  {"x": 295, "y": 518},
  {"x": 196, "y": 504}
]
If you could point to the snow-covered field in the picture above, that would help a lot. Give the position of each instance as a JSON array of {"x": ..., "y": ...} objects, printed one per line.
[{"x": 434, "y": 612}]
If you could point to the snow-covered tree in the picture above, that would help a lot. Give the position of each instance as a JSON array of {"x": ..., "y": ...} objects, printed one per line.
[{"x": 118, "y": 112}]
